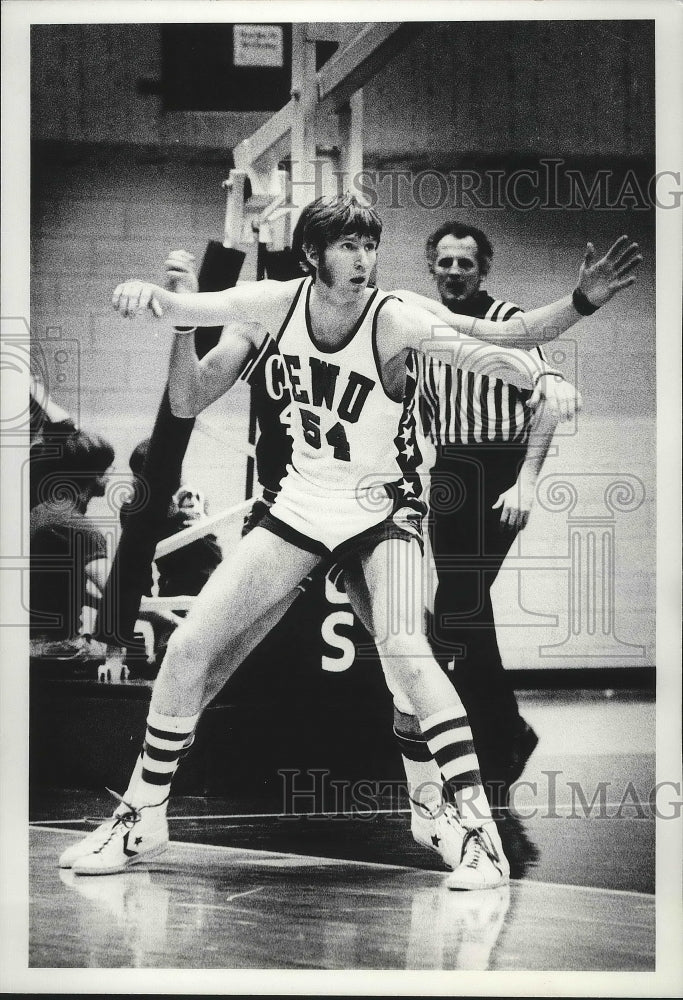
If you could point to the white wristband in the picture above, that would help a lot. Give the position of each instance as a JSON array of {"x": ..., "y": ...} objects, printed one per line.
[{"x": 547, "y": 371}]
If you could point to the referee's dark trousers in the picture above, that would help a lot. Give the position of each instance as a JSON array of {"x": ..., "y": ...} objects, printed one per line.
[{"x": 469, "y": 545}]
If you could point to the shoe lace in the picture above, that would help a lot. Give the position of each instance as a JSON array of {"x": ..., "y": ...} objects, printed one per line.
[
  {"x": 475, "y": 843},
  {"x": 127, "y": 819},
  {"x": 425, "y": 810},
  {"x": 452, "y": 816}
]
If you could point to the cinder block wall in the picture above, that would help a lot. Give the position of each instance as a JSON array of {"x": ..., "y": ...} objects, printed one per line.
[
  {"x": 100, "y": 215},
  {"x": 126, "y": 214}
]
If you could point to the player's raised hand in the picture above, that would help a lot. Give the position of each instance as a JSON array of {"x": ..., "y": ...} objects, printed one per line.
[
  {"x": 558, "y": 399},
  {"x": 180, "y": 272},
  {"x": 133, "y": 297},
  {"x": 600, "y": 279}
]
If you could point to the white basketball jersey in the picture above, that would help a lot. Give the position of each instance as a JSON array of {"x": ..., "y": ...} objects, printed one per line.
[{"x": 348, "y": 436}]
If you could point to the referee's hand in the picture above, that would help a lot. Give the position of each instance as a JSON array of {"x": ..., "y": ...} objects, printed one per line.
[
  {"x": 558, "y": 399},
  {"x": 600, "y": 279}
]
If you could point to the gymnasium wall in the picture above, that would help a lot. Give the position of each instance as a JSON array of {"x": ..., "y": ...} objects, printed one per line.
[
  {"x": 565, "y": 86},
  {"x": 116, "y": 183}
]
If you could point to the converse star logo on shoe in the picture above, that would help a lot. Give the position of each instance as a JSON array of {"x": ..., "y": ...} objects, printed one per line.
[
  {"x": 120, "y": 842},
  {"x": 126, "y": 850},
  {"x": 442, "y": 833}
]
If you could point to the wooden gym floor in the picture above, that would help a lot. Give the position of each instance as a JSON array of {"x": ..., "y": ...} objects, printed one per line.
[{"x": 245, "y": 886}]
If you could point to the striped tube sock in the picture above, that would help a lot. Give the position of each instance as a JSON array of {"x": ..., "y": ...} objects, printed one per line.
[
  {"x": 166, "y": 740},
  {"x": 422, "y": 773},
  {"x": 449, "y": 738},
  {"x": 137, "y": 770}
]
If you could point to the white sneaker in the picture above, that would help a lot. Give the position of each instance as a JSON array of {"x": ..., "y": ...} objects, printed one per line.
[
  {"x": 129, "y": 837},
  {"x": 442, "y": 832},
  {"x": 483, "y": 865},
  {"x": 87, "y": 844}
]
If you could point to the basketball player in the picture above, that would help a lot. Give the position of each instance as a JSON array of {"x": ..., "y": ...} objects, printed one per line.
[
  {"x": 348, "y": 492},
  {"x": 271, "y": 404},
  {"x": 271, "y": 401}
]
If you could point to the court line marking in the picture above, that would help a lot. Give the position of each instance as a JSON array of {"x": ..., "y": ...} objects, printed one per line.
[
  {"x": 379, "y": 864},
  {"x": 280, "y": 854},
  {"x": 349, "y": 814}
]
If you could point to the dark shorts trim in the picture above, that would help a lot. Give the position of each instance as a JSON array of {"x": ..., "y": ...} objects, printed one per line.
[
  {"x": 259, "y": 510},
  {"x": 345, "y": 553},
  {"x": 369, "y": 539},
  {"x": 291, "y": 535}
]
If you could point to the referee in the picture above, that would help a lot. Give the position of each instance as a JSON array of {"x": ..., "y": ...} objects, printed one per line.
[{"x": 490, "y": 448}]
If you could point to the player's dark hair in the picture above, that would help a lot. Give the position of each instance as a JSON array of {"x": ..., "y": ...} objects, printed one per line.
[
  {"x": 298, "y": 245},
  {"x": 326, "y": 220},
  {"x": 461, "y": 230}
]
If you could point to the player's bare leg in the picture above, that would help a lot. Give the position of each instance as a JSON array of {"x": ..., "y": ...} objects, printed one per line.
[
  {"x": 423, "y": 778},
  {"x": 223, "y": 669},
  {"x": 396, "y": 602},
  {"x": 263, "y": 571}
]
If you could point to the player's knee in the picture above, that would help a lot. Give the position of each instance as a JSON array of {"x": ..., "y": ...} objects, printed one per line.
[
  {"x": 401, "y": 702},
  {"x": 408, "y": 662},
  {"x": 406, "y": 645},
  {"x": 186, "y": 659}
]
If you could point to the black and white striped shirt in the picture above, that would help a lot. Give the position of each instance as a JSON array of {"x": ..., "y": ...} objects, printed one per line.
[{"x": 459, "y": 407}]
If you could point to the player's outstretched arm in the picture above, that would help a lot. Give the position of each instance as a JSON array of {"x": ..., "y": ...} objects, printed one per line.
[
  {"x": 261, "y": 302},
  {"x": 599, "y": 281},
  {"x": 404, "y": 326},
  {"x": 193, "y": 384}
]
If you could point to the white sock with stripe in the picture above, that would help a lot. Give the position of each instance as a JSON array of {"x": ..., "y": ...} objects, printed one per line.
[
  {"x": 167, "y": 737},
  {"x": 449, "y": 739},
  {"x": 423, "y": 777}
]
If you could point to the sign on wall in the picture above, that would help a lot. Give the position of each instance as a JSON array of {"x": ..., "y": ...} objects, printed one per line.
[{"x": 258, "y": 45}]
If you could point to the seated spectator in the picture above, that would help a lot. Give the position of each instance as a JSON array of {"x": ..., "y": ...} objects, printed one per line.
[
  {"x": 50, "y": 426},
  {"x": 186, "y": 570},
  {"x": 44, "y": 412},
  {"x": 69, "y": 562}
]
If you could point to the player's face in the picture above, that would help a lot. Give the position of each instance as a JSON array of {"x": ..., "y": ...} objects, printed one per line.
[
  {"x": 348, "y": 263},
  {"x": 456, "y": 270}
]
